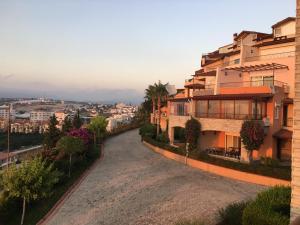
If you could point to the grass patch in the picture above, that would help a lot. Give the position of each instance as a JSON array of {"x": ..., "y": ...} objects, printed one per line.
[{"x": 280, "y": 172}]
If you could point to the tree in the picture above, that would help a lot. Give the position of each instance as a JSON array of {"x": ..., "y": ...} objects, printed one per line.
[
  {"x": 98, "y": 127},
  {"x": 151, "y": 95},
  {"x": 192, "y": 132},
  {"x": 252, "y": 135},
  {"x": 31, "y": 180},
  {"x": 77, "y": 122},
  {"x": 70, "y": 145},
  {"x": 81, "y": 133},
  {"x": 161, "y": 94},
  {"x": 67, "y": 125},
  {"x": 52, "y": 134}
]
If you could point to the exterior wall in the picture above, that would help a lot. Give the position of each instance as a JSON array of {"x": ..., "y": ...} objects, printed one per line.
[
  {"x": 288, "y": 28},
  {"x": 295, "y": 202},
  {"x": 211, "y": 139}
]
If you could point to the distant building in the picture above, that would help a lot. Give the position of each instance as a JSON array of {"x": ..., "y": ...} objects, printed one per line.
[
  {"x": 40, "y": 116},
  {"x": 4, "y": 112}
]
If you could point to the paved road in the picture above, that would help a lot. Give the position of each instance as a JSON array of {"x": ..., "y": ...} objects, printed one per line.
[{"x": 133, "y": 185}]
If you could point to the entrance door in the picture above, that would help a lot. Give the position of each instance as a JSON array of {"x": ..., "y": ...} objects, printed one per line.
[{"x": 284, "y": 149}]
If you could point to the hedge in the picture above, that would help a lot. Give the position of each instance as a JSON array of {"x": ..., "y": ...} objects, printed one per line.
[{"x": 271, "y": 207}]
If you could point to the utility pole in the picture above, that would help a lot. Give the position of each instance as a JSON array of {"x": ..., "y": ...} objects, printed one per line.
[{"x": 8, "y": 136}]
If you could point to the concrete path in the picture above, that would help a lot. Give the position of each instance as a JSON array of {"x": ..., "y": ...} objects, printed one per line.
[{"x": 133, "y": 185}]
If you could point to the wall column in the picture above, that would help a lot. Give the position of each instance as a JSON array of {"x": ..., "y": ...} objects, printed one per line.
[
  {"x": 244, "y": 154},
  {"x": 171, "y": 135},
  {"x": 295, "y": 202}
]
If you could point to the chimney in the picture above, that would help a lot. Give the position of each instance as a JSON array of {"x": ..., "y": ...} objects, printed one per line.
[{"x": 234, "y": 38}]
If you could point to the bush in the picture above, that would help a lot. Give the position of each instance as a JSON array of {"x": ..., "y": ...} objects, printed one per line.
[
  {"x": 148, "y": 130},
  {"x": 192, "y": 132},
  {"x": 232, "y": 214},
  {"x": 163, "y": 137},
  {"x": 267, "y": 161},
  {"x": 271, "y": 207},
  {"x": 252, "y": 134}
]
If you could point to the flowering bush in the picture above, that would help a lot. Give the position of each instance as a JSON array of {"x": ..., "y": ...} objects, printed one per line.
[
  {"x": 81, "y": 133},
  {"x": 252, "y": 134},
  {"x": 192, "y": 132}
]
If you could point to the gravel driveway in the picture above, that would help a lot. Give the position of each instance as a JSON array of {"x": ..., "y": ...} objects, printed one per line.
[{"x": 133, "y": 185}]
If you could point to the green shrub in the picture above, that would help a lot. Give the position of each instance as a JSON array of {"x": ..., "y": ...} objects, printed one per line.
[
  {"x": 267, "y": 161},
  {"x": 189, "y": 222},
  {"x": 163, "y": 137},
  {"x": 148, "y": 130},
  {"x": 232, "y": 214},
  {"x": 252, "y": 134},
  {"x": 271, "y": 207}
]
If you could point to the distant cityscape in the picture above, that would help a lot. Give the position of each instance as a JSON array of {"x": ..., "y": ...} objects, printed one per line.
[{"x": 32, "y": 115}]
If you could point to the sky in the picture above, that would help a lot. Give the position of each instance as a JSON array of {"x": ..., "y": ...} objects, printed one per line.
[{"x": 111, "y": 50}]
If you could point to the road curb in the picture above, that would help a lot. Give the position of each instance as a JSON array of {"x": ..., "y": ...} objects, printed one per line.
[{"x": 70, "y": 191}]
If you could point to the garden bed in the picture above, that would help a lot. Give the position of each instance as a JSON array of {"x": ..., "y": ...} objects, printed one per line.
[{"x": 279, "y": 172}]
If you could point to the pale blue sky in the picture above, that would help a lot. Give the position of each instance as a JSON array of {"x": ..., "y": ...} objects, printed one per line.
[{"x": 90, "y": 49}]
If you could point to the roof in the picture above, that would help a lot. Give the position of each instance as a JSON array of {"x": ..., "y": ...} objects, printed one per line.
[
  {"x": 233, "y": 96},
  {"x": 276, "y": 41},
  {"x": 283, "y": 134},
  {"x": 260, "y": 67},
  {"x": 246, "y": 32},
  {"x": 197, "y": 86},
  {"x": 206, "y": 74},
  {"x": 281, "y": 22}
]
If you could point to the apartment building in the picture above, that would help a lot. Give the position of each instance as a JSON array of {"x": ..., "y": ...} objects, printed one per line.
[
  {"x": 4, "y": 112},
  {"x": 250, "y": 78},
  {"x": 40, "y": 116}
]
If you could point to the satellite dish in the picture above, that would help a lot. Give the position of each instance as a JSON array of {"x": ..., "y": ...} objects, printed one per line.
[{"x": 171, "y": 89}]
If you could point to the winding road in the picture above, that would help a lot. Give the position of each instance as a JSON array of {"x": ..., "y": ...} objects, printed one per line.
[{"x": 133, "y": 185}]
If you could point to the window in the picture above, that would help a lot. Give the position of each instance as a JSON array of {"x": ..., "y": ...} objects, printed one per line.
[
  {"x": 277, "y": 32},
  {"x": 277, "y": 112},
  {"x": 202, "y": 108},
  {"x": 242, "y": 109},
  {"x": 181, "y": 109},
  {"x": 228, "y": 109},
  {"x": 214, "y": 108},
  {"x": 268, "y": 81},
  {"x": 256, "y": 81},
  {"x": 236, "y": 61}
]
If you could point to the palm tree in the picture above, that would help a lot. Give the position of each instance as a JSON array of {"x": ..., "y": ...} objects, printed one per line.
[
  {"x": 151, "y": 94},
  {"x": 161, "y": 94}
]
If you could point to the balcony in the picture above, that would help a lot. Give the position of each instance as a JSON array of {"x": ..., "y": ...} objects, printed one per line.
[
  {"x": 207, "y": 90},
  {"x": 194, "y": 83},
  {"x": 253, "y": 87},
  {"x": 230, "y": 116}
]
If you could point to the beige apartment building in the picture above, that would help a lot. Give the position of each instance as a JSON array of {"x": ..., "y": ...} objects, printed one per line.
[{"x": 250, "y": 78}]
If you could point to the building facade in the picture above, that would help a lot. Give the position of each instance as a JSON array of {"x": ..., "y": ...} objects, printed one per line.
[
  {"x": 295, "y": 202},
  {"x": 250, "y": 78}
]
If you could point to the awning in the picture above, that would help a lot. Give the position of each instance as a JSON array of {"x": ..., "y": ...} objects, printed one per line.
[
  {"x": 283, "y": 134},
  {"x": 260, "y": 67}
]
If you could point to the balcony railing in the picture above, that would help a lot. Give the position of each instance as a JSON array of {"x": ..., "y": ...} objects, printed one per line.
[
  {"x": 207, "y": 90},
  {"x": 256, "y": 83},
  {"x": 270, "y": 56},
  {"x": 231, "y": 116},
  {"x": 194, "y": 81}
]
